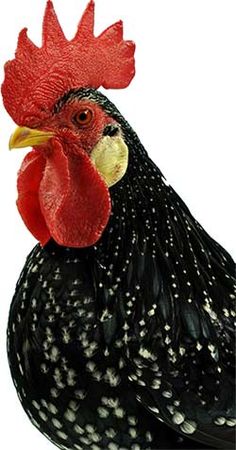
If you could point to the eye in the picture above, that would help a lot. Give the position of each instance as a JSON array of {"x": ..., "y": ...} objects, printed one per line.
[{"x": 83, "y": 118}]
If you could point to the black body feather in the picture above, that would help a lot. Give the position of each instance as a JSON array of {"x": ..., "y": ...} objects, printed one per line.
[{"x": 129, "y": 344}]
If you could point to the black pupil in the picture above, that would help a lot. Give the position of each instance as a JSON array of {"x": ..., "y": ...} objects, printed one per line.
[{"x": 83, "y": 116}]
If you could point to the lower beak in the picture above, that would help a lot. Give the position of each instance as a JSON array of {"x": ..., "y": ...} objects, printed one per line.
[{"x": 27, "y": 137}]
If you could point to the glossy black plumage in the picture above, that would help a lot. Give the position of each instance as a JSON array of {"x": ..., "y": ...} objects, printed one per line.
[{"x": 105, "y": 342}]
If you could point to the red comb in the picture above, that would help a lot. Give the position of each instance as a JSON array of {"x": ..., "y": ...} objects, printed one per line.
[{"x": 37, "y": 77}]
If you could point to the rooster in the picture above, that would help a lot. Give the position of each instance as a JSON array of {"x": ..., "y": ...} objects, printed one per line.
[{"x": 120, "y": 331}]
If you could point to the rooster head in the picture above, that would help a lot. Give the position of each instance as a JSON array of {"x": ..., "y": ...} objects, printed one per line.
[{"x": 78, "y": 148}]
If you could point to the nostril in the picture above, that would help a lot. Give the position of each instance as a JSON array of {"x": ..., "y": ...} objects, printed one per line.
[{"x": 111, "y": 130}]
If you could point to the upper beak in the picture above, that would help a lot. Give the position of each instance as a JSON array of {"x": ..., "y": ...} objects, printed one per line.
[{"x": 27, "y": 137}]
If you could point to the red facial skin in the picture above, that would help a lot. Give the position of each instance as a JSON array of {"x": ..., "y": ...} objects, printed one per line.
[
  {"x": 65, "y": 125},
  {"x": 61, "y": 194}
]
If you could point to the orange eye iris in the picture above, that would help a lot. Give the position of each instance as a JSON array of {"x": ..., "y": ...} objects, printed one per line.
[{"x": 84, "y": 117}]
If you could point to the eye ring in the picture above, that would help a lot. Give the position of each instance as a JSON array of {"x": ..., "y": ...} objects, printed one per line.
[{"x": 83, "y": 118}]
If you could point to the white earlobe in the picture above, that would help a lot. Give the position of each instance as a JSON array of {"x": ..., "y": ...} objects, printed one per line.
[{"x": 110, "y": 157}]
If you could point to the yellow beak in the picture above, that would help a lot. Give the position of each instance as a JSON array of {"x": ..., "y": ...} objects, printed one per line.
[{"x": 27, "y": 137}]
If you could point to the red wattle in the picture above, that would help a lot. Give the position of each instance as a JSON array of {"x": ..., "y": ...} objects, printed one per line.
[
  {"x": 74, "y": 200},
  {"x": 28, "y": 183}
]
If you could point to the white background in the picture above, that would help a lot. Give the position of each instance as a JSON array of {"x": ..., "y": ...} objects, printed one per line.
[{"x": 182, "y": 103}]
